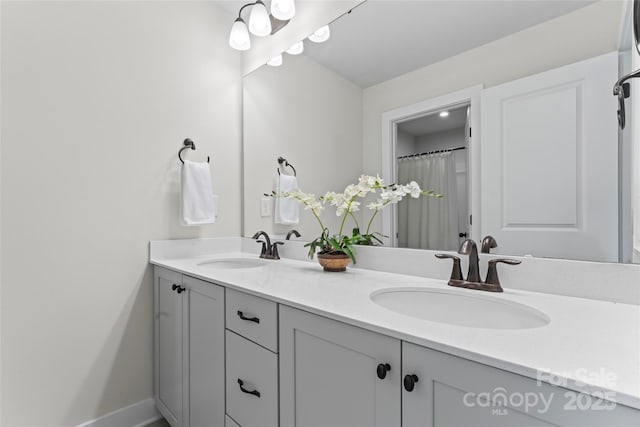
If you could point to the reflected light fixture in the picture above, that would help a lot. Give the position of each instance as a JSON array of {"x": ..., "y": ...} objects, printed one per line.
[
  {"x": 261, "y": 23},
  {"x": 320, "y": 35},
  {"x": 444, "y": 114},
  {"x": 276, "y": 61},
  {"x": 239, "y": 37},
  {"x": 283, "y": 9},
  {"x": 296, "y": 48}
]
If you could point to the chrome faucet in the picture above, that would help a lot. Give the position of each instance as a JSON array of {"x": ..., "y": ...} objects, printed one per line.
[
  {"x": 269, "y": 250},
  {"x": 473, "y": 281}
]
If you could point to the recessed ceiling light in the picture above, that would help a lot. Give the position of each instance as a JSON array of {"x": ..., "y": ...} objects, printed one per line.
[{"x": 444, "y": 114}]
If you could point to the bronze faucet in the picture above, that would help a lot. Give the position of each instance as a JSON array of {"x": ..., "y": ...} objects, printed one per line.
[
  {"x": 292, "y": 232},
  {"x": 473, "y": 281},
  {"x": 487, "y": 244},
  {"x": 269, "y": 250}
]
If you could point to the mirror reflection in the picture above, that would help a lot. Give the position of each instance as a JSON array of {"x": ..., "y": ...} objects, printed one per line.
[{"x": 538, "y": 168}]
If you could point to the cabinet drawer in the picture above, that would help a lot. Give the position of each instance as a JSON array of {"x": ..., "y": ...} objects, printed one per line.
[
  {"x": 252, "y": 383},
  {"x": 253, "y": 317}
]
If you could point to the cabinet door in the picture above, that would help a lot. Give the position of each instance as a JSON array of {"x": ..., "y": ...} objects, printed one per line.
[
  {"x": 205, "y": 346},
  {"x": 451, "y": 391},
  {"x": 328, "y": 374},
  {"x": 168, "y": 324}
]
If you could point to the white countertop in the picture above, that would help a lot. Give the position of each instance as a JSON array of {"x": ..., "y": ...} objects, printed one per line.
[{"x": 589, "y": 346}]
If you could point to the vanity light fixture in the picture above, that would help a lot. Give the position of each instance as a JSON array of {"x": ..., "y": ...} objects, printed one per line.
[
  {"x": 320, "y": 35},
  {"x": 296, "y": 48},
  {"x": 239, "y": 37},
  {"x": 283, "y": 9},
  {"x": 444, "y": 114},
  {"x": 276, "y": 61},
  {"x": 261, "y": 23}
]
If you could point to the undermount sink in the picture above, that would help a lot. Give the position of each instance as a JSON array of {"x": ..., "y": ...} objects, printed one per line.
[
  {"x": 455, "y": 308},
  {"x": 233, "y": 263}
]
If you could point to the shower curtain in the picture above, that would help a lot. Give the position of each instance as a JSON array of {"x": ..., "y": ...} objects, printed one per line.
[{"x": 428, "y": 222}]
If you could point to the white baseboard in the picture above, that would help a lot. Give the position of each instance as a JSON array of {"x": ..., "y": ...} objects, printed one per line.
[{"x": 136, "y": 415}]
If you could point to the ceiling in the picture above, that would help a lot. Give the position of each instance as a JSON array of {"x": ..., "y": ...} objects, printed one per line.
[
  {"x": 382, "y": 39},
  {"x": 433, "y": 123}
]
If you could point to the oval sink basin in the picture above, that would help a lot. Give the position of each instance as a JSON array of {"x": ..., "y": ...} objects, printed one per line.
[
  {"x": 233, "y": 263},
  {"x": 459, "y": 309}
]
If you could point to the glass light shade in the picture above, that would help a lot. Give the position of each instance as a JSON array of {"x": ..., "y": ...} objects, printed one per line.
[
  {"x": 296, "y": 48},
  {"x": 321, "y": 35},
  {"x": 283, "y": 9},
  {"x": 239, "y": 36},
  {"x": 444, "y": 114},
  {"x": 259, "y": 22},
  {"x": 276, "y": 61}
]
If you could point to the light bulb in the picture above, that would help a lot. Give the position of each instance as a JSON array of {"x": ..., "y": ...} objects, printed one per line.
[
  {"x": 276, "y": 61},
  {"x": 259, "y": 22},
  {"x": 283, "y": 9},
  {"x": 321, "y": 35},
  {"x": 296, "y": 48},
  {"x": 239, "y": 36},
  {"x": 444, "y": 114}
]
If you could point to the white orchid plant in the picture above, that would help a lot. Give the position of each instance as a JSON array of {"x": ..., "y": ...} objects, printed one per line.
[{"x": 346, "y": 204}]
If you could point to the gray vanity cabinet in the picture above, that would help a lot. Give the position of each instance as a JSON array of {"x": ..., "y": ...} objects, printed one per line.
[
  {"x": 450, "y": 391},
  {"x": 334, "y": 374},
  {"x": 189, "y": 350}
]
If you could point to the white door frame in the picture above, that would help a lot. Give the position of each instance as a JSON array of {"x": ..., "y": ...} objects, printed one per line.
[{"x": 392, "y": 118}]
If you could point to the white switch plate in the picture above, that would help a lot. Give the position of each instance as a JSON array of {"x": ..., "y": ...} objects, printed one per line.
[{"x": 265, "y": 207}]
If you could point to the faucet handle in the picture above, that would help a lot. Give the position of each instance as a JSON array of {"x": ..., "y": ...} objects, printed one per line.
[
  {"x": 274, "y": 250},
  {"x": 456, "y": 272},
  {"x": 492, "y": 271}
]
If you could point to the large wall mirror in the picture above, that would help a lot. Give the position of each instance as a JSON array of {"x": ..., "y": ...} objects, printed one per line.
[{"x": 504, "y": 107}]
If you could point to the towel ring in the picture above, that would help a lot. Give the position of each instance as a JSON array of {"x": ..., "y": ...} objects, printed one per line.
[
  {"x": 282, "y": 160},
  {"x": 188, "y": 143}
]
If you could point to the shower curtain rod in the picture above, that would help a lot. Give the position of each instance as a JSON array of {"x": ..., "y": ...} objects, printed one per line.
[{"x": 432, "y": 152}]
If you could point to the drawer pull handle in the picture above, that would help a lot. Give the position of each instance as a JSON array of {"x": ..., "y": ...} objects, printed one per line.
[
  {"x": 382, "y": 370},
  {"x": 256, "y": 393},
  {"x": 410, "y": 382},
  {"x": 249, "y": 319}
]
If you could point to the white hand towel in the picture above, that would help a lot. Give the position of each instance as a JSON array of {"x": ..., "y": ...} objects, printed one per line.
[
  {"x": 286, "y": 210},
  {"x": 197, "y": 194}
]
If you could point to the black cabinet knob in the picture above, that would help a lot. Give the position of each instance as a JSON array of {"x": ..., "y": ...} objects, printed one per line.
[
  {"x": 410, "y": 382},
  {"x": 382, "y": 370},
  {"x": 178, "y": 289},
  {"x": 174, "y": 287}
]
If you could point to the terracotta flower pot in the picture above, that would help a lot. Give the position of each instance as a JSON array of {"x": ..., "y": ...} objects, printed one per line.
[{"x": 334, "y": 262}]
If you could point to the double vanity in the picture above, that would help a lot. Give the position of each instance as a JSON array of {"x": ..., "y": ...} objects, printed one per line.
[{"x": 244, "y": 341}]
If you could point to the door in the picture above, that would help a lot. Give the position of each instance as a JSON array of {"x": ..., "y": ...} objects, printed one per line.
[
  {"x": 549, "y": 175},
  {"x": 336, "y": 375},
  {"x": 206, "y": 352},
  {"x": 168, "y": 323}
]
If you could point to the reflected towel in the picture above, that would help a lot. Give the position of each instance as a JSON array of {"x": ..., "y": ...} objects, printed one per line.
[
  {"x": 286, "y": 210},
  {"x": 197, "y": 194}
]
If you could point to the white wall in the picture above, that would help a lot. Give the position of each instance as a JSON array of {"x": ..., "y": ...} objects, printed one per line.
[
  {"x": 405, "y": 144},
  {"x": 317, "y": 127},
  {"x": 569, "y": 38},
  {"x": 452, "y": 138},
  {"x": 96, "y": 100}
]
